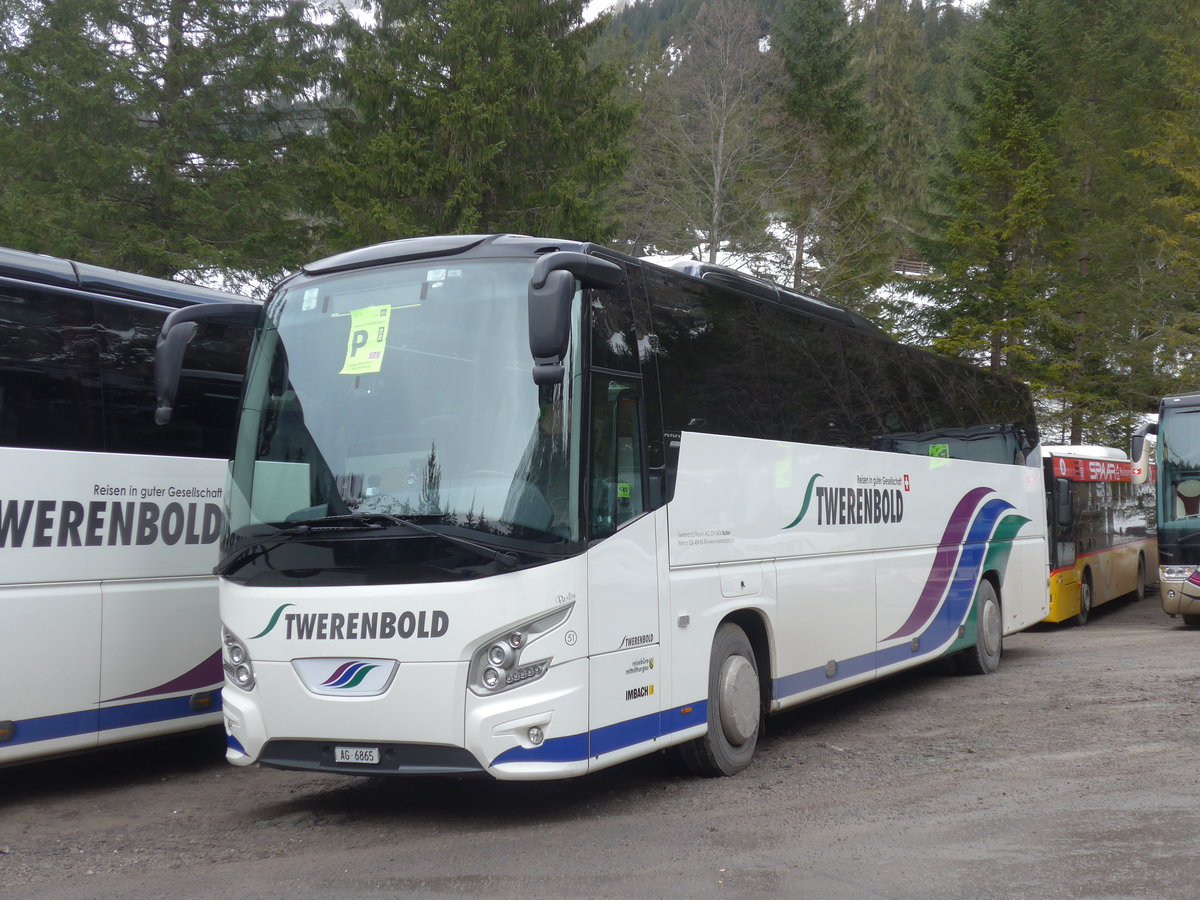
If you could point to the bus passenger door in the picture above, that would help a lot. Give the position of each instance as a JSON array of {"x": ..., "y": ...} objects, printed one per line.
[{"x": 623, "y": 620}]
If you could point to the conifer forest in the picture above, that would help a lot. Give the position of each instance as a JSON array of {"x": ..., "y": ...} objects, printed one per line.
[{"x": 1011, "y": 182}]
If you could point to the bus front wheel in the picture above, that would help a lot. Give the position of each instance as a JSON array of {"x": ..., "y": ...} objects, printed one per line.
[
  {"x": 984, "y": 657},
  {"x": 734, "y": 708}
]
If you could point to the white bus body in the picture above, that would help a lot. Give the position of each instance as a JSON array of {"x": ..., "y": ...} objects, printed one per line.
[
  {"x": 714, "y": 577},
  {"x": 107, "y": 597}
]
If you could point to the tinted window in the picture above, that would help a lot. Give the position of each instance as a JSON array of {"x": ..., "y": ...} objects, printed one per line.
[
  {"x": 824, "y": 396},
  {"x": 731, "y": 364},
  {"x": 205, "y": 412},
  {"x": 710, "y": 359},
  {"x": 614, "y": 343},
  {"x": 49, "y": 372}
]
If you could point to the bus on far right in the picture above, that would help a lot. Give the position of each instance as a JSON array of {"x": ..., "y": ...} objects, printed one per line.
[{"x": 1177, "y": 476}]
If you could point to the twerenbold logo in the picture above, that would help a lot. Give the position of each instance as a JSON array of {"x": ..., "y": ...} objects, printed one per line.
[
  {"x": 348, "y": 675},
  {"x": 274, "y": 620}
]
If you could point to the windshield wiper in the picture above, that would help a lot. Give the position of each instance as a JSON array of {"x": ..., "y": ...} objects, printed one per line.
[
  {"x": 506, "y": 558},
  {"x": 259, "y": 547},
  {"x": 362, "y": 521}
]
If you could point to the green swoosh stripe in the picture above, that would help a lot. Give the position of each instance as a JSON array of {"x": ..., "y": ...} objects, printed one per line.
[
  {"x": 358, "y": 677},
  {"x": 807, "y": 499},
  {"x": 274, "y": 620}
]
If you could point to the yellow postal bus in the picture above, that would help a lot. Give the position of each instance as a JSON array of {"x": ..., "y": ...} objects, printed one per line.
[{"x": 1101, "y": 529}]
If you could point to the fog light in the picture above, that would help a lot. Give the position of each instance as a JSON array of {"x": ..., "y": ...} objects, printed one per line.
[
  {"x": 235, "y": 661},
  {"x": 491, "y": 677},
  {"x": 536, "y": 736}
]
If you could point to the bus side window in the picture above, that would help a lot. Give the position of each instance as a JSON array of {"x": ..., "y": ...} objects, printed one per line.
[
  {"x": 49, "y": 372},
  {"x": 616, "y": 479}
]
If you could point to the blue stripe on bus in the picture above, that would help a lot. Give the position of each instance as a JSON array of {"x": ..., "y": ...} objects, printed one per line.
[
  {"x": 811, "y": 679},
  {"x": 90, "y": 721},
  {"x": 610, "y": 738},
  {"x": 234, "y": 744}
]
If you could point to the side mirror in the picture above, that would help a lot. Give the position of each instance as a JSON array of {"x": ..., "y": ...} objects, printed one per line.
[
  {"x": 1139, "y": 451},
  {"x": 177, "y": 331},
  {"x": 551, "y": 289}
]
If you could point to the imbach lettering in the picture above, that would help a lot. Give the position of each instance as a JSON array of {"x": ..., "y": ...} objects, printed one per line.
[
  {"x": 366, "y": 625},
  {"x": 106, "y": 523},
  {"x": 858, "y": 506}
]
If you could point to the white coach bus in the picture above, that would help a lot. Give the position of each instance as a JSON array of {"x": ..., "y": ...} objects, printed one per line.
[
  {"x": 108, "y": 524},
  {"x": 529, "y": 508}
]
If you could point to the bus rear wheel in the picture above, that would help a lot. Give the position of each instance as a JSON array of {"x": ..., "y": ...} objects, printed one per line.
[
  {"x": 734, "y": 708},
  {"x": 984, "y": 657},
  {"x": 1086, "y": 598}
]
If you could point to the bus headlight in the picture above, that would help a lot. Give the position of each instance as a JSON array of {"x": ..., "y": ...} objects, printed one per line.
[
  {"x": 497, "y": 665},
  {"x": 1175, "y": 573},
  {"x": 235, "y": 660}
]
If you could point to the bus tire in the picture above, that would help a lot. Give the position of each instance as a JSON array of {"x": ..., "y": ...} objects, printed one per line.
[
  {"x": 1087, "y": 598},
  {"x": 1191, "y": 621},
  {"x": 1139, "y": 592},
  {"x": 984, "y": 657},
  {"x": 734, "y": 708}
]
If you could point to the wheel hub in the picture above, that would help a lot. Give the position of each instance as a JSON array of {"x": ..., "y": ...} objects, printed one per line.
[
  {"x": 991, "y": 628},
  {"x": 738, "y": 700}
]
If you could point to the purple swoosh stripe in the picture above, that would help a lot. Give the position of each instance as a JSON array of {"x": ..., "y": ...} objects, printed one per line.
[
  {"x": 204, "y": 675},
  {"x": 337, "y": 674},
  {"x": 943, "y": 563}
]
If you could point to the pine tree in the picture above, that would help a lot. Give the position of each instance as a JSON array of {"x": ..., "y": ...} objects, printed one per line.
[
  {"x": 891, "y": 54},
  {"x": 828, "y": 208},
  {"x": 1166, "y": 344},
  {"x": 156, "y": 135},
  {"x": 997, "y": 193},
  {"x": 1100, "y": 257},
  {"x": 460, "y": 116}
]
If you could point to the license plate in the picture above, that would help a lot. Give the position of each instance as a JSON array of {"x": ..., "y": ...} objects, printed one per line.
[{"x": 358, "y": 755}]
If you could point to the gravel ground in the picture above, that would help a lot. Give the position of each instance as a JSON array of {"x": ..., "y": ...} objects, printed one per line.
[{"x": 1069, "y": 773}]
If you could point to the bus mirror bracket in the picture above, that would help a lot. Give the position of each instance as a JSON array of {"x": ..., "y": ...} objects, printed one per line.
[
  {"x": 551, "y": 290},
  {"x": 177, "y": 331}
]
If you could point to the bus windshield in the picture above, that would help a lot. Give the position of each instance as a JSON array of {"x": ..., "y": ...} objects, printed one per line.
[
  {"x": 406, "y": 391},
  {"x": 1179, "y": 465}
]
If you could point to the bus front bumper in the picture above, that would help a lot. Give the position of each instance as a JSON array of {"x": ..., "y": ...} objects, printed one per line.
[
  {"x": 427, "y": 723},
  {"x": 1180, "y": 597}
]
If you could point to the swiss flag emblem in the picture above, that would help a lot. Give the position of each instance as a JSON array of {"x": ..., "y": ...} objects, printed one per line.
[{"x": 906, "y": 488}]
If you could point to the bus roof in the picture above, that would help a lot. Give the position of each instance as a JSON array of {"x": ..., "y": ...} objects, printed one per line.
[
  {"x": 517, "y": 245},
  {"x": 1181, "y": 401},
  {"x": 1085, "y": 451},
  {"x": 63, "y": 273}
]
